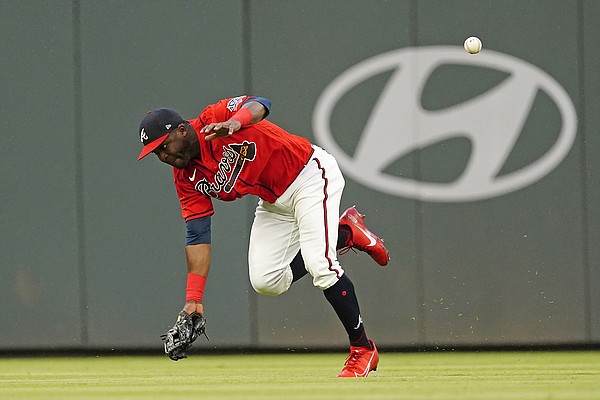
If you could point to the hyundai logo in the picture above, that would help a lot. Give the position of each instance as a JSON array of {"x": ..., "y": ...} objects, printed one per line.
[{"x": 491, "y": 121}]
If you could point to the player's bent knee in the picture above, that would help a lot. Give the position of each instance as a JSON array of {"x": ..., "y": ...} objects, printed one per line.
[
  {"x": 266, "y": 291},
  {"x": 266, "y": 287},
  {"x": 270, "y": 281}
]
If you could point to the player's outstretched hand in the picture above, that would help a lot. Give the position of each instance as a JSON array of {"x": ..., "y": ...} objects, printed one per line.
[
  {"x": 221, "y": 129},
  {"x": 180, "y": 337}
]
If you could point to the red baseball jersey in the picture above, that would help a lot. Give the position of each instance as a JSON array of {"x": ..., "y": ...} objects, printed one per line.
[{"x": 261, "y": 159}]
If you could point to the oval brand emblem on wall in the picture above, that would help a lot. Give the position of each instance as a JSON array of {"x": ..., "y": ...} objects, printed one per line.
[{"x": 398, "y": 125}]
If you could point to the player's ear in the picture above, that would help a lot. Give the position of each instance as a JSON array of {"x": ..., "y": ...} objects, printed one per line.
[{"x": 182, "y": 130}]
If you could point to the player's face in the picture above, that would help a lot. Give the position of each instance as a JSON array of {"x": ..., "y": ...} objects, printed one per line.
[{"x": 176, "y": 149}]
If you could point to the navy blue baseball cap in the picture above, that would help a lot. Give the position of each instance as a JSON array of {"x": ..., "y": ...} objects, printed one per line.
[{"x": 155, "y": 127}]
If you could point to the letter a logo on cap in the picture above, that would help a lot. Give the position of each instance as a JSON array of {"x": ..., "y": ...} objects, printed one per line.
[{"x": 143, "y": 135}]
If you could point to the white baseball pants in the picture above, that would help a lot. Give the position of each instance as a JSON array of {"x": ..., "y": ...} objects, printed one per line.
[{"x": 305, "y": 217}]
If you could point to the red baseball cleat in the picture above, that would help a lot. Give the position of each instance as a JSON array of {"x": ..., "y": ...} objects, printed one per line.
[
  {"x": 360, "y": 362},
  {"x": 362, "y": 238}
]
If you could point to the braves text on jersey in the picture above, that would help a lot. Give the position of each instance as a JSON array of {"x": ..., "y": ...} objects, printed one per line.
[{"x": 261, "y": 159}]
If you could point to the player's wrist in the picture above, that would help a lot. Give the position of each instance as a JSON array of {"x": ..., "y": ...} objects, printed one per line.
[
  {"x": 192, "y": 307},
  {"x": 243, "y": 116},
  {"x": 194, "y": 291}
]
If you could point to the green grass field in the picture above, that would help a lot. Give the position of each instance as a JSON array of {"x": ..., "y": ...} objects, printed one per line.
[{"x": 436, "y": 375}]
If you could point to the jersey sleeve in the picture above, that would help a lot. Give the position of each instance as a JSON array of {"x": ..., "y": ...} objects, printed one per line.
[
  {"x": 265, "y": 102},
  {"x": 224, "y": 109},
  {"x": 193, "y": 203}
]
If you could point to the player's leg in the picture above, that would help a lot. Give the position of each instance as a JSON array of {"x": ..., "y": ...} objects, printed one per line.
[
  {"x": 274, "y": 242},
  {"x": 317, "y": 212},
  {"x": 316, "y": 208}
]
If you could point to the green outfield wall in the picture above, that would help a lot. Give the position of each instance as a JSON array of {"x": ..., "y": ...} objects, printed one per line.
[{"x": 480, "y": 171}]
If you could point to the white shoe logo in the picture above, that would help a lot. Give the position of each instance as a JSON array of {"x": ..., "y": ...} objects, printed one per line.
[
  {"x": 191, "y": 178},
  {"x": 367, "y": 368},
  {"x": 367, "y": 234}
]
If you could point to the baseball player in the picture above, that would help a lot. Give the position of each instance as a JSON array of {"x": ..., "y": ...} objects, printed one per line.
[{"x": 229, "y": 151}]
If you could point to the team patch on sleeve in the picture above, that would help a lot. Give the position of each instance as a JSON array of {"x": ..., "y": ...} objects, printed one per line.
[{"x": 233, "y": 104}]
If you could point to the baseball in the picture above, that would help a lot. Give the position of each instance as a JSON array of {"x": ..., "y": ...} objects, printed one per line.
[{"x": 472, "y": 45}]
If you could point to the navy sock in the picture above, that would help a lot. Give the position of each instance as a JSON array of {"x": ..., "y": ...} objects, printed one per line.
[{"x": 343, "y": 299}]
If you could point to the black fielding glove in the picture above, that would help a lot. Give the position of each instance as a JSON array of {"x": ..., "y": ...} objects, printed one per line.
[{"x": 180, "y": 337}]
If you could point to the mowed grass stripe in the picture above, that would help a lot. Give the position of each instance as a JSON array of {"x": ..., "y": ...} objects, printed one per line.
[{"x": 437, "y": 375}]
